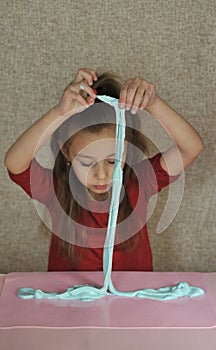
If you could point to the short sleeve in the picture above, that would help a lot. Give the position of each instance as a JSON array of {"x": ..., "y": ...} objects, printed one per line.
[
  {"x": 36, "y": 181},
  {"x": 152, "y": 176}
]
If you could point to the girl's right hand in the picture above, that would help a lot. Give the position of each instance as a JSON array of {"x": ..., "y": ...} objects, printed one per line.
[{"x": 74, "y": 98}]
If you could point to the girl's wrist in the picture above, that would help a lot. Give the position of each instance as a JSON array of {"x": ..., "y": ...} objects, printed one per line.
[
  {"x": 56, "y": 110},
  {"x": 57, "y": 113},
  {"x": 150, "y": 108}
]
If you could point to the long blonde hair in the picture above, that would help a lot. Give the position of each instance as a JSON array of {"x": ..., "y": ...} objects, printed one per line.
[{"x": 107, "y": 84}]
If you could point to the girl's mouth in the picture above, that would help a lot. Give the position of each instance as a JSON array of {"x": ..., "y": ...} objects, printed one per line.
[{"x": 101, "y": 187}]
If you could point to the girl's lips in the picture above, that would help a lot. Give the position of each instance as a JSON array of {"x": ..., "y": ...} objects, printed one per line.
[{"x": 101, "y": 187}]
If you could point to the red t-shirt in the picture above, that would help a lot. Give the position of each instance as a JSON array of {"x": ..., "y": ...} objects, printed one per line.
[{"x": 150, "y": 178}]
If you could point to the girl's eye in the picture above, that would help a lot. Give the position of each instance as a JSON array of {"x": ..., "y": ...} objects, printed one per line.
[
  {"x": 83, "y": 164},
  {"x": 111, "y": 161}
]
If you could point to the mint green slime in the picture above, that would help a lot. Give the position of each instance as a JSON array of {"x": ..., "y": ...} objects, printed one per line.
[{"x": 89, "y": 293}]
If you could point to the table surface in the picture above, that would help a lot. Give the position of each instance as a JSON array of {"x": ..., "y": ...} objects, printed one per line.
[{"x": 106, "y": 338}]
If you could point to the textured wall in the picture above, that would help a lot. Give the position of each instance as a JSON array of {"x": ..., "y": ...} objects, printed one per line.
[{"x": 170, "y": 43}]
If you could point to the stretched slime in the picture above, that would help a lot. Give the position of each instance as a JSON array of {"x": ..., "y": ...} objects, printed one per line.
[{"x": 88, "y": 292}]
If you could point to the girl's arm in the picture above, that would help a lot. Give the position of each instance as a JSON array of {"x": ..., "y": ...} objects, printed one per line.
[
  {"x": 188, "y": 141},
  {"x": 21, "y": 153},
  {"x": 137, "y": 93}
]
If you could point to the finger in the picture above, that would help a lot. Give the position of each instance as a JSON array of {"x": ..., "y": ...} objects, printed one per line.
[
  {"x": 86, "y": 74},
  {"x": 87, "y": 89},
  {"x": 80, "y": 99},
  {"x": 82, "y": 88},
  {"x": 152, "y": 99},
  {"x": 123, "y": 94},
  {"x": 131, "y": 91},
  {"x": 90, "y": 100},
  {"x": 148, "y": 97},
  {"x": 153, "y": 96},
  {"x": 75, "y": 95},
  {"x": 138, "y": 99},
  {"x": 146, "y": 100},
  {"x": 93, "y": 73},
  {"x": 127, "y": 93}
]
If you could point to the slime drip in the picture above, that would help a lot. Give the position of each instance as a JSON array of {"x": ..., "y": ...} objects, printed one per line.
[{"x": 89, "y": 293}]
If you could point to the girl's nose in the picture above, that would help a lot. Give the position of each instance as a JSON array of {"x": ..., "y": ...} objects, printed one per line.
[{"x": 100, "y": 171}]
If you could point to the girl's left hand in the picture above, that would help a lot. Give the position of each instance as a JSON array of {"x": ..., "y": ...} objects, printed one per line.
[{"x": 137, "y": 94}]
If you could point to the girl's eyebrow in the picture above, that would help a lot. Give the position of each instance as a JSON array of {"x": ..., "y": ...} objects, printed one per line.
[{"x": 79, "y": 155}]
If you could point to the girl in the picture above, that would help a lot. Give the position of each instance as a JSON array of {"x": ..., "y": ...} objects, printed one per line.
[{"x": 77, "y": 191}]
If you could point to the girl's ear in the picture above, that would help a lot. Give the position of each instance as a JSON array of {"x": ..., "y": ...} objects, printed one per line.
[
  {"x": 63, "y": 152},
  {"x": 62, "y": 149}
]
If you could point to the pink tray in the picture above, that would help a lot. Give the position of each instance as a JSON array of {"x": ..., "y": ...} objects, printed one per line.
[{"x": 110, "y": 311}]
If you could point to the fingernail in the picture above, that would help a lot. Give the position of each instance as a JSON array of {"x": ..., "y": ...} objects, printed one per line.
[
  {"x": 121, "y": 105},
  {"x": 133, "y": 110},
  {"x": 127, "y": 107}
]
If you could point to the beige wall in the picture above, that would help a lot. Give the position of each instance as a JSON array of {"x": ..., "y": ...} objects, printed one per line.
[{"x": 170, "y": 43}]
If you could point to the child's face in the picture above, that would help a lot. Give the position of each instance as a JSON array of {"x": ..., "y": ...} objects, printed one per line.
[{"x": 93, "y": 156}]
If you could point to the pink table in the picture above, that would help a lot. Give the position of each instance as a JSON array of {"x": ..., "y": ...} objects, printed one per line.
[{"x": 117, "y": 333}]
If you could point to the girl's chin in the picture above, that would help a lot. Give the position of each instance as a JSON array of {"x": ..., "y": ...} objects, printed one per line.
[{"x": 99, "y": 195}]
